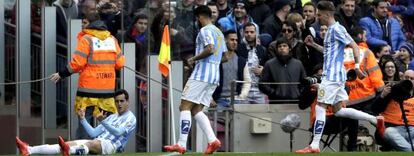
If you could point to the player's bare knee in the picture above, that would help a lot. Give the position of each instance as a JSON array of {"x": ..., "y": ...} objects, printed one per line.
[
  {"x": 186, "y": 105},
  {"x": 196, "y": 109},
  {"x": 324, "y": 105},
  {"x": 336, "y": 107},
  {"x": 94, "y": 146}
]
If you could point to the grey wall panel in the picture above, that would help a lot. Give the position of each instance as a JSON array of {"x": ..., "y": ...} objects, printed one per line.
[
  {"x": 154, "y": 136},
  {"x": 129, "y": 84},
  {"x": 2, "y": 52},
  {"x": 49, "y": 66},
  {"x": 74, "y": 28}
]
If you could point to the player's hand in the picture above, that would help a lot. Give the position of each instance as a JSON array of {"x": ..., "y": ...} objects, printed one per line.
[
  {"x": 81, "y": 114},
  {"x": 309, "y": 40},
  {"x": 387, "y": 90},
  {"x": 101, "y": 116},
  {"x": 258, "y": 70},
  {"x": 314, "y": 87},
  {"x": 213, "y": 104},
  {"x": 191, "y": 62},
  {"x": 361, "y": 75},
  {"x": 54, "y": 77}
]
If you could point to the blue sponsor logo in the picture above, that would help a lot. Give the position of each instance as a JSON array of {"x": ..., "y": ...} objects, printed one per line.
[
  {"x": 319, "y": 127},
  {"x": 185, "y": 126}
]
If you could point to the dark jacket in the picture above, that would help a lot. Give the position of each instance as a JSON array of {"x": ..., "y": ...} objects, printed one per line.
[
  {"x": 347, "y": 22},
  {"x": 259, "y": 12},
  {"x": 375, "y": 32},
  {"x": 272, "y": 25},
  {"x": 61, "y": 21},
  {"x": 242, "y": 51},
  {"x": 276, "y": 71},
  {"x": 241, "y": 62}
]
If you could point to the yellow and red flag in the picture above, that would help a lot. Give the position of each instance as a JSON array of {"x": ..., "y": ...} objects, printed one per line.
[{"x": 164, "y": 56}]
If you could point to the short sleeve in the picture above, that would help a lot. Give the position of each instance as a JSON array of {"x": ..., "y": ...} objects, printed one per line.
[
  {"x": 207, "y": 37},
  {"x": 342, "y": 35}
]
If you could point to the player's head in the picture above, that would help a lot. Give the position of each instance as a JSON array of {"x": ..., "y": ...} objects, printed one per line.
[
  {"x": 325, "y": 13},
  {"x": 203, "y": 14},
  {"x": 122, "y": 101}
]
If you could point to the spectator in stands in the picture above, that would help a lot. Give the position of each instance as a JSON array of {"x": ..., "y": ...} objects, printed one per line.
[
  {"x": 138, "y": 33},
  {"x": 185, "y": 13},
  {"x": 404, "y": 56},
  {"x": 309, "y": 13},
  {"x": 168, "y": 16},
  {"x": 282, "y": 69},
  {"x": 234, "y": 69},
  {"x": 224, "y": 7},
  {"x": 273, "y": 24},
  {"x": 258, "y": 10},
  {"x": 389, "y": 69},
  {"x": 198, "y": 3},
  {"x": 256, "y": 58},
  {"x": 389, "y": 106},
  {"x": 381, "y": 50},
  {"x": 87, "y": 7},
  {"x": 237, "y": 19},
  {"x": 214, "y": 12},
  {"x": 96, "y": 86},
  {"x": 346, "y": 15},
  {"x": 298, "y": 20},
  {"x": 382, "y": 29},
  {"x": 65, "y": 10},
  {"x": 111, "y": 14},
  {"x": 296, "y": 6}
]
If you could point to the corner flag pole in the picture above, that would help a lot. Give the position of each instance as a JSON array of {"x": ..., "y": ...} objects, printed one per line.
[{"x": 171, "y": 99}]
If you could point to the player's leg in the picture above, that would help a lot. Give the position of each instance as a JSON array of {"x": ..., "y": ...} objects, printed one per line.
[{"x": 26, "y": 150}]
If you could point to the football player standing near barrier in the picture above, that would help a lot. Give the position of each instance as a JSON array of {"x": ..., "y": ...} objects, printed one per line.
[
  {"x": 332, "y": 88},
  {"x": 198, "y": 91}
]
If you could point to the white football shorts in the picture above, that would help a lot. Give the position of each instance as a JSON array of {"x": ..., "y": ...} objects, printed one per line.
[
  {"x": 332, "y": 92},
  {"x": 198, "y": 92}
]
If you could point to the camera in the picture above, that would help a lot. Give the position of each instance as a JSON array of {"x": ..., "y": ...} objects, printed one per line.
[{"x": 311, "y": 80}]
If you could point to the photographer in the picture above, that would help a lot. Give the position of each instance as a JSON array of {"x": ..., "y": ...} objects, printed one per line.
[{"x": 398, "y": 123}]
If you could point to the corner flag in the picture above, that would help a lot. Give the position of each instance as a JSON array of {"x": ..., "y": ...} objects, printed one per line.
[{"x": 164, "y": 56}]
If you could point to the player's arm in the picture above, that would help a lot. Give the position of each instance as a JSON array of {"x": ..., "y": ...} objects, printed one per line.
[
  {"x": 113, "y": 130},
  {"x": 92, "y": 132},
  {"x": 207, "y": 51},
  {"x": 355, "y": 50}
]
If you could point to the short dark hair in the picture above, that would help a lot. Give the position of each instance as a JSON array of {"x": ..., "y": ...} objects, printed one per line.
[
  {"x": 291, "y": 24},
  {"x": 343, "y": 1},
  {"x": 202, "y": 10},
  {"x": 92, "y": 17},
  {"x": 375, "y": 3},
  {"x": 122, "y": 91},
  {"x": 249, "y": 24},
  {"x": 141, "y": 16},
  {"x": 228, "y": 32},
  {"x": 326, "y": 6},
  {"x": 355, "y": 31},
  {"x": 310, "y": 4},
  {"x": 282, "y": 40},
  {"x": 377, "y": 49}
]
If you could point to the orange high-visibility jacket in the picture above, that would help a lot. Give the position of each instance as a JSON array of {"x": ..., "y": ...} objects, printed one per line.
[
  {"x": 365, "y": 89},
  {"x": 393, "y": 115},
  {"x": 96, "y": 59}
]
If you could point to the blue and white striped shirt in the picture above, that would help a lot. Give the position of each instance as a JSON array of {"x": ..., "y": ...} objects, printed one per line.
[
  {"x": 207, "y": 69},
  {"x": 126, "y": 122},
  {"x": 335, "y": 42}
]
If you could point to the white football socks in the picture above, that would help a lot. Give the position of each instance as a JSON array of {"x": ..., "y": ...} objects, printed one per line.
[
  {"x": 356, "y": 115},
  {"x": 318, "y": 126},
  {"x": 44, "y": 149},
  {"x": 205, "y": 125},
  {"x": 185, "y": 126}
]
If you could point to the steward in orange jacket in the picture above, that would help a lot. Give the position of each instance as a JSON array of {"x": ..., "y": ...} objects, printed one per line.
[
  {"x": 363, "y": 90},
  {"x": 96, "y": 58}
]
